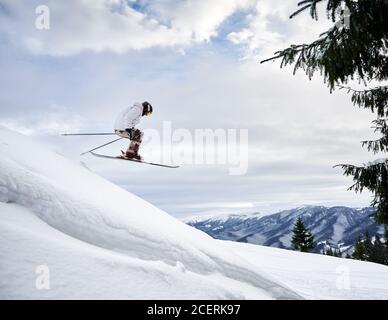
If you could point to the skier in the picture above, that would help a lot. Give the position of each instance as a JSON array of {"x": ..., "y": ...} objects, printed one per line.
[{"x": 125, "y": 127}]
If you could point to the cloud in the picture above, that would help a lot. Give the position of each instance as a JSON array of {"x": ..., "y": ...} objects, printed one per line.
[
  {"x": 269, "y": 28},
  {"x": 297, "y": 129},
  {"x": 297, "y": 132},
  {"x": 115, "y": 25},
  {"x": 55, "y": 119},
  {"x": 197, "y": 19}
]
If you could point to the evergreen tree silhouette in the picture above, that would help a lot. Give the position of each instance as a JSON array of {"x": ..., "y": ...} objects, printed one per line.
[
  {"x": 355, "y": 47},
  {"x": 302, "y": 239}
]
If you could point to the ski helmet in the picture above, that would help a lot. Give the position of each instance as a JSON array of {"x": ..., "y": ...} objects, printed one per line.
[{"x": 147, "y": 108}]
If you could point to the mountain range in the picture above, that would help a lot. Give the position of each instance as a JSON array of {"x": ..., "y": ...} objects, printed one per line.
[{"x": 335, "y": 227}]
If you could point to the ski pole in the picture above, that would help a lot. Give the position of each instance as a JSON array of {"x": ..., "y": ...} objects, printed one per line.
[
  {"x": 89, "y": 134},
  {"x": 100, "y": 146}
]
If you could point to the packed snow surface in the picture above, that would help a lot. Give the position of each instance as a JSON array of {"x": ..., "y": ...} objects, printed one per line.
[
  {"x": 316, "y": 276},
  {"x": 89, "y": 238}
]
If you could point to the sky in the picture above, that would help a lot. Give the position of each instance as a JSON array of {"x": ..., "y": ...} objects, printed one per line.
[{"x": 71, "y": 66}]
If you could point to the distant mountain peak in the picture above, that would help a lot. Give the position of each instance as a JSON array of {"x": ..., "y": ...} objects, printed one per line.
[
  {"x": 336, "y": 226},
  {"x": 222, "y": 217}
]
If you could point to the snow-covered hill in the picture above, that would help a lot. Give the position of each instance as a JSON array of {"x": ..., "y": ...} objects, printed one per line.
[
  {"x": 337, "y": 227},
  {"x": 96, "y": 240},
  {"x": 316, "y": 276},
  {"x": 99, "y": 241}
]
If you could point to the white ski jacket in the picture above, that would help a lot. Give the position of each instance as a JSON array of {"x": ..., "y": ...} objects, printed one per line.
[{"x": 129, "y": 117}]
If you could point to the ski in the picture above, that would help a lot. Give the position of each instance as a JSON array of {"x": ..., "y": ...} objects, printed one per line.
[
  {"x": 133, "y": 160},
  {"x": 89, "y": 134}
]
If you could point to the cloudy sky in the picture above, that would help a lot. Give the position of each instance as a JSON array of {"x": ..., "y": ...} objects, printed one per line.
[{"x": 197, "y": 62}]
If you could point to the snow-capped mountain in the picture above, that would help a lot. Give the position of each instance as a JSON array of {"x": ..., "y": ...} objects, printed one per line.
[
  {"x": 66, "y": 233},
  {"x": 337, "y": 227}
]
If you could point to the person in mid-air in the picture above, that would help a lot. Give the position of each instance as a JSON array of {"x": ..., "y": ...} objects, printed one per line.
[{"x": 125, "y": 127}]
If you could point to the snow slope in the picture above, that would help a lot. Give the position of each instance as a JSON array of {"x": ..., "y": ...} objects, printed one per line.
[
  {"x": 317, "y": 276},
  {"x": 99, "y": 241}
]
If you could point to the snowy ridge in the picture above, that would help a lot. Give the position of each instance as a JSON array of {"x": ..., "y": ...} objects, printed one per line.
[
  {"x": 221, "y": 217},
  {"x": 336, "y": 227},
  {"x": 56, "y": 194}
]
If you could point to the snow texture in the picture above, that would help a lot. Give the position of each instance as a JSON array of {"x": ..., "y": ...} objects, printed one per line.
[
  {"x": 99, "y": 241},
  {"x": 316, "y": 276}
]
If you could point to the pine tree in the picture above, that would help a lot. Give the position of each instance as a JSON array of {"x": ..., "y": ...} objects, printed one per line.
[
  {"x": 302, "y": 239},
  {"x": 386, "y": 245},
  {"x": 368, "y": 246},
  {"x": 359, "y": 250},
  {"x": 356, "y": 48},
  {"x": 367, "y": 250},
  {"x": 378, "y": 251}
]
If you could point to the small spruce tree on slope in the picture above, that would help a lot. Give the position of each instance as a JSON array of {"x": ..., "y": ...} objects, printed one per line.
[
  {"x": 302, "y": 240},
  {"x": 337, "y": 253},
  {"x": 359, "y": 251},
  {"x": 378, "y": 251},
  {"x": 373, "y": 251},
  {"x": 386, "y": 245},
  {"x": 328, "y": 252},
  {"x": 368, "y": 246}
]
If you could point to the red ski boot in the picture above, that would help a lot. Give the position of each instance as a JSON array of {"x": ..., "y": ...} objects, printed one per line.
[
  {"x": 133, "y": 155},
  {"x": 133, "y": 152}
]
